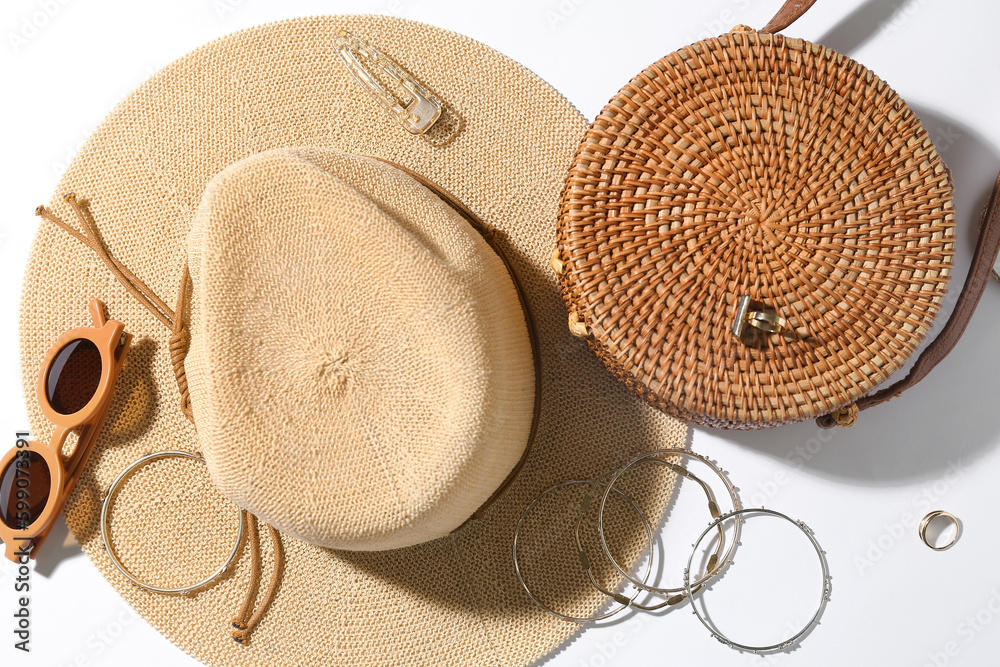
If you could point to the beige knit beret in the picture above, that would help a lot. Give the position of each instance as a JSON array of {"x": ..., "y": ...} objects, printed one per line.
[{"x": 360, "y": 367}]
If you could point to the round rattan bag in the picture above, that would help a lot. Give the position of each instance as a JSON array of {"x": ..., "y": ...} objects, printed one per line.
[{"x": 756, "y": 230}]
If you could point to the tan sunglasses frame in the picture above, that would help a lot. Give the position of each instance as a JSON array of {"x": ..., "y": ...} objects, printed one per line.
[{"x": 112, "y": 342}]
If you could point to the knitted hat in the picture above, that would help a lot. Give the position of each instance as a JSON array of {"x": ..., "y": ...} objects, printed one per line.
[{"x": 378, "y": 364}]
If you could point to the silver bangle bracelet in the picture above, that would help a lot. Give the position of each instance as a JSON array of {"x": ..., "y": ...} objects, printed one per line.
[
  {"x": 715, "y": 564},
  {"x": 622, "y": 601},
  {"x": 824, "y": 597},
  {"x": 105, "y": 528}
]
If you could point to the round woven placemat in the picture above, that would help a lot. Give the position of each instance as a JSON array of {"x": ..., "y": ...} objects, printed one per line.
[{"x": 758, "y": 165}]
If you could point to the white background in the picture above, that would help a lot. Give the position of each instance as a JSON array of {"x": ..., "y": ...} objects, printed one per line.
[{"x": 64, "y": 64}]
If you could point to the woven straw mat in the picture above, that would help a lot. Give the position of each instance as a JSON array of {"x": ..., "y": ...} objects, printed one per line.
[{"x": 453, "y": 601}]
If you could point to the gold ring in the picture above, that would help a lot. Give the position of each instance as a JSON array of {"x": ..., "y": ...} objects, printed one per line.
[
  {"x": 767, "y": 321},
  {"x": 926, "y": 522}
]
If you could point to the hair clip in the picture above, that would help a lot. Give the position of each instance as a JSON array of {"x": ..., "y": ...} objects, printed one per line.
[{"x": 417, "y": 113}]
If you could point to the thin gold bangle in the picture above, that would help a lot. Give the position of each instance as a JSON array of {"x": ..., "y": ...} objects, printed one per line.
[
  {"x": 106, "y": 531},
  {"x": 713, "y": 561}
]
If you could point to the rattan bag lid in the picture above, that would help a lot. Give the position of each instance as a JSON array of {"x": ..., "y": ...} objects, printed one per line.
[{"x": 755, "y": 165}]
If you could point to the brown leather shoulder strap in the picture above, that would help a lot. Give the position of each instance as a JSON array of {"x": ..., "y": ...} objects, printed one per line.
[
  {"x": 979, "y": 274},
  {"x": 789, "y": 12}
]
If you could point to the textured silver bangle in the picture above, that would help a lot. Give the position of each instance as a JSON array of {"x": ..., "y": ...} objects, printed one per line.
[
  {"x": 824, "y": 597},
  {"x": 672, "y": 600},
  {"x": 623, "y": 602},
  {"x": 715, "y": 563},
  {"x": 106, "y": 530}
]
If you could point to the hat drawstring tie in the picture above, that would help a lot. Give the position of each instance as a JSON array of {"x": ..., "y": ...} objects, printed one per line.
[
  {"x": 178, "y": 345},
  {"x": 173, "y": 319},
  {"x": 242, "y": 626}
]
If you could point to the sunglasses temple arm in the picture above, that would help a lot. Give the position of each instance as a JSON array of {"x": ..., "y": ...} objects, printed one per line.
[{"x": 97, "y": 313}]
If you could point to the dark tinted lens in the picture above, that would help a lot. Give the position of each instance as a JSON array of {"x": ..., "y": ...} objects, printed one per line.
[
  {"x": 24, "y": 489},
  {"x": 74, "y": 376}
]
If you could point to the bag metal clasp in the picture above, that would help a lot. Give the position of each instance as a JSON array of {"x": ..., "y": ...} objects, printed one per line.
[{"x": 768, "y": 322}]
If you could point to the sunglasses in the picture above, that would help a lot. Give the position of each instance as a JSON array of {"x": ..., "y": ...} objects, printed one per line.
[{"x": 75, "y": 387}]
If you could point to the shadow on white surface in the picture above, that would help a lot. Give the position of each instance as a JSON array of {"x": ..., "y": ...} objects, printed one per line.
[
  {"x": 59, "y": 546},
  {"x": 858, "y": 27},
  {"x": 949, "y": 419}
]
